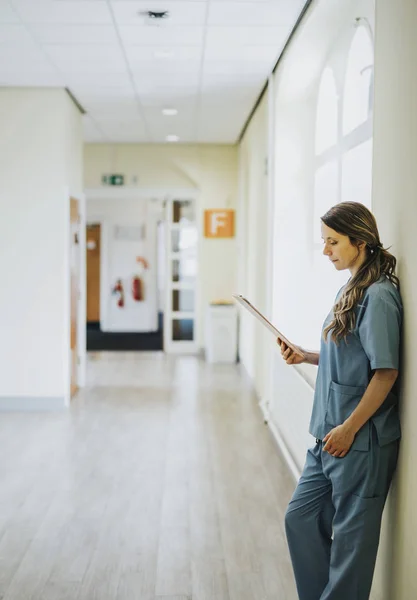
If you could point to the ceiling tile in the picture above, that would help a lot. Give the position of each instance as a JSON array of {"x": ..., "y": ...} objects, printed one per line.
[
  {"x": 177, "y": 54},
  {"x": 269, "y": 54},
  {"x": 32, "y": 74},
  {"x": 161, "y": 36},
  {"x": 75, "y": 34},
  {"x": 163, "y": 94},
  {"x": 236, "y": 67},
  {"x": 63, "y": 11},
  {"x": 113, "y": 107},
  {"x": 280, "y": 12},
  {"x": 95, "y": 93},
  {"x": 17, "y": 56},
  {"x": 108, "y": 53},
  {"x": 91, "y": 68},
  {"x": 157, "y": 5},
  {"x": 154, "y": 101},
  {"x": 120, "y": 124},
  {"x": 242, "y": 36},
  {"x": 15, "y": 34},
  {"x": 239, "y": 101},
  {"x": 174, "y": 88},
  {"x": 171, "y": 90},
  {"x": 181, "y": 70},
  {"x": 75, "y": 44},
  {"x": 109, "y": 79},
  {"x": 232, "y": 78},
  {"x": 7, "y": 14},
  {"x": 183, "y": 128},
  {"x": 183, "y": 106},
  {"x": 241, "y": 91}
]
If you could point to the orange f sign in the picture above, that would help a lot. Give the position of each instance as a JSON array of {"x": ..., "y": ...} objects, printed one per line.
[{"x": 219, "y": 223}]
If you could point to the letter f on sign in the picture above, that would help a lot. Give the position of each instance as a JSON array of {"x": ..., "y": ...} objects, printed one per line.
[{"x": 217, "y": 220}]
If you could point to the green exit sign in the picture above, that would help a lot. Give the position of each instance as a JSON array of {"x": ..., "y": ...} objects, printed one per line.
[{"x": 113, "y": 179}]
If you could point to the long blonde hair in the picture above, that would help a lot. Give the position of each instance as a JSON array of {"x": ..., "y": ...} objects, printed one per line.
[{"x": 356, "y": 221}]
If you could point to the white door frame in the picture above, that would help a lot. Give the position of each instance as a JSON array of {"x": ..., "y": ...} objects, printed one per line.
[
  {"x": 180, "y": 346},
  {"x": 82, "y": 297}
]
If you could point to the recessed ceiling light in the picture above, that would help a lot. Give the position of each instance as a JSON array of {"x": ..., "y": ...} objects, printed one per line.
[
  {"x": 163, "y": 54},
  {"x": 172, "y": 138},
  {"x": 169, "y": 112}
]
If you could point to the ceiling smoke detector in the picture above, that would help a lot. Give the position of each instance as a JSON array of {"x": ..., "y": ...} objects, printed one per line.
[{"x": 155, "y": 15}]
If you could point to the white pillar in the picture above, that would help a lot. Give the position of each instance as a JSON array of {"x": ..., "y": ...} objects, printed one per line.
[{"x": 41, "y": 165}]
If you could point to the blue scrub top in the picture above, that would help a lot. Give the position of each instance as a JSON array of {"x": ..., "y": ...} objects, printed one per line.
[{"x": 345, "y": 369}]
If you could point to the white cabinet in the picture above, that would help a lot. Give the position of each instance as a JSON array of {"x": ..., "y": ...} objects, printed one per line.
[{"x": 221, "y": 334}]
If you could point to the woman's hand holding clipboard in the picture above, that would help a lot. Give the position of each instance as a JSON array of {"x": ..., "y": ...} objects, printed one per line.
[{"x": 292, "y": 354}]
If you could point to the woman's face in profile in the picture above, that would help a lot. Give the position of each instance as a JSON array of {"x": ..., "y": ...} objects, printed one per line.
[{"x": 339, "y": 249}]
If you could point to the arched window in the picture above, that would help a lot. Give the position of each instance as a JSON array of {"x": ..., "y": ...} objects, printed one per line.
[
  {"x": 343, "y": 153},
  {"x": 358, "y": 92},
  {"x": 327, "y": 105}
]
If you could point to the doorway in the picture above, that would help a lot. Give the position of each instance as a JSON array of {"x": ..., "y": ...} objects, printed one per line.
[{"x": 111, "y": 244}]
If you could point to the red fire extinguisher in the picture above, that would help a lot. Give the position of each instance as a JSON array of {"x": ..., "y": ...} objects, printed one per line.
[
  {"x": 137, "y": 289},
  {"x": 118, "y": 289}
]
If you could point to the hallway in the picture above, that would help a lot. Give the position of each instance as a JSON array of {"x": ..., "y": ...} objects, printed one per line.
[{"x": 161, "y": 482}]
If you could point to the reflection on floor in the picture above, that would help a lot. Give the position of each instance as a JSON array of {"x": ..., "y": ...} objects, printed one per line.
[{"x": 160, "y": 482}]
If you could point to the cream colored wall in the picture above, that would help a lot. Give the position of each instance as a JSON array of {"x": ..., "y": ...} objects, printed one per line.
[
  {"x": 395, "y": 185},
  {"x": 211, "y": 170},
  {"x": 40, "y": 158},
  {"x": 253, "y": 245}
]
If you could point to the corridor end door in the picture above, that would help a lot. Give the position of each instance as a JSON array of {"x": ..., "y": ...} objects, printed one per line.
[{"x": 180, "y": 319}]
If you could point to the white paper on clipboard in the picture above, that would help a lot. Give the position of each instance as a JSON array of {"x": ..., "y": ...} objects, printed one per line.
[{"x": 255, "y": 312}]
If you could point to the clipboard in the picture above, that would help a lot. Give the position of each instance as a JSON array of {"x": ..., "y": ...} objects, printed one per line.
[{"x": 255, "y": 312}]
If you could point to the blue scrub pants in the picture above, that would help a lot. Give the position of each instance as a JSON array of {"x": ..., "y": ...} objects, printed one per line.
[{"x": 344, "y": 497}]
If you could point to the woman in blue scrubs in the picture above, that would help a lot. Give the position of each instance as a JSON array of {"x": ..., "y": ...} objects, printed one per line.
[{"x": 333, "y": 520}]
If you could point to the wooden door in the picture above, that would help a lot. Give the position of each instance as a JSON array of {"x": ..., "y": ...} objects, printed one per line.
[
  {"x": 93, "y": 273},
  {"x": 75, "y": 276}
]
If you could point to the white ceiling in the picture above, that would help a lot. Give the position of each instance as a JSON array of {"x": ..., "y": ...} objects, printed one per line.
[{"x": 209, "y": 60}]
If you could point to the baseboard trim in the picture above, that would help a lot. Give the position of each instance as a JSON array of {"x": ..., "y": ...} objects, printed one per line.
[
  {"x": 292, "y": 465},
  {"x": 29, "y": 404}
]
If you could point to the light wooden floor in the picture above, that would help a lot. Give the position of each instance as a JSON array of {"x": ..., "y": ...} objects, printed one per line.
[{"x": 160, "y": 483}]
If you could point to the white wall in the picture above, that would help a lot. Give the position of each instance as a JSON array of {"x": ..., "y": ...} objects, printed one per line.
[
  {"x": 253, "y": 245},
  {"x": 40, "y": 164},
  {"x": 395, "y": 185},
  {"x": 393, "y": 202},
  {"x": 211, "y": 170},
  {"x": 118, "y": 261}
]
